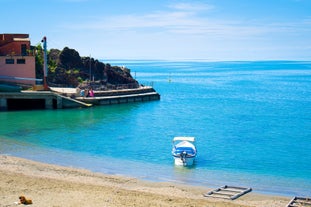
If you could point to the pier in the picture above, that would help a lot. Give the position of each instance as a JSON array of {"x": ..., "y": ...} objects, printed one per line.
[
  {"x": 62, "y": 98},
  {"x": 36, "y": 100},
  {"x": 121, "y": 96},
  {"x": 118, "y": 99}
]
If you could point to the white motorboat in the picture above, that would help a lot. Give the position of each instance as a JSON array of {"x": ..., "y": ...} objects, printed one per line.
[{"x": 184, "y": 150}]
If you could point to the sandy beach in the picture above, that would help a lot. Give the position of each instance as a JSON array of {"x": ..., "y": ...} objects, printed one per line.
[{"x": 57, "y": 186}]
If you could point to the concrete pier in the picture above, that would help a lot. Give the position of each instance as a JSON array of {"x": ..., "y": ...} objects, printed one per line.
[
  {"x": 109, "y": 97},
  {"x": 36, "y": 100},
  {"x": 119, "y": 99},
  {"x": 61, "y": 98}
]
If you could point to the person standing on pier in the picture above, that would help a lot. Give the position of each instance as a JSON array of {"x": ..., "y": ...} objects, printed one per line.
[{"x": 91, "y": 92}]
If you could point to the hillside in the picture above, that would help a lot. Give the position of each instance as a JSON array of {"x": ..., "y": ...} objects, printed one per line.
[{"x": 68, "y": 69}]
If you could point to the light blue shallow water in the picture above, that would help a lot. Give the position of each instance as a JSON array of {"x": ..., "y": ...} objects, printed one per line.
[{"x": 252, "y": 121}]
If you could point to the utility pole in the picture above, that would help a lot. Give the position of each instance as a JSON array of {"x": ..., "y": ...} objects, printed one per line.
[
  {"x": 90, "y": 68},
  {"x": 45, "y": 64}
]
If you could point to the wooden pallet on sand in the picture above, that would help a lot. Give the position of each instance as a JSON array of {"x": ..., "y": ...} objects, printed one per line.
[
  {"x": 228, "y": 192},
  {"x": 299, "y": 202}
]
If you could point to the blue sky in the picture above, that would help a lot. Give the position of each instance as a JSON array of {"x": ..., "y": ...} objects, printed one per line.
[{"x": 167, "y": 29}]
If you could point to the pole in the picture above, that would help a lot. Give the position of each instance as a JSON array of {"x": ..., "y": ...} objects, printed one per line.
[
  {"x": 45, "y": 64},
  {"x": 90, "y": 69}
]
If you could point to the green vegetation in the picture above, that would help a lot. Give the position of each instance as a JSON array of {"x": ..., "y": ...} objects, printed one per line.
[{"x": 66, "y": 68}]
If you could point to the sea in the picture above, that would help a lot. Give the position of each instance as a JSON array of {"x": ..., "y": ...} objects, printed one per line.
[{"x": 251, "y": 121}]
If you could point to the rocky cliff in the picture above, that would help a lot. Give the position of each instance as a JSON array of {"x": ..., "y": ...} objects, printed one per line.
[{"x": 67, "y": 68}]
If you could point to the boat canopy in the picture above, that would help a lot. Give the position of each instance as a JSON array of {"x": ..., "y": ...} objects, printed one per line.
[{"x": 190, "y": 139}]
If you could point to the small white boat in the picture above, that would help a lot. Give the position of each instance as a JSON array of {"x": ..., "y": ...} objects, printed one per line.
[{"x": 184, "y": 150}]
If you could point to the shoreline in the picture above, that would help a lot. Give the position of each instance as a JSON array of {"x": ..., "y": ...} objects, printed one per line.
[{"x": 52, "y": 185}]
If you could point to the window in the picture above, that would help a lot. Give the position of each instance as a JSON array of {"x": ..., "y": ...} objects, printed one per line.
[
  {"x": 9, "y": 61},
  {"x": 20, "y": 61},
  {"x": 24, "y": 49}
]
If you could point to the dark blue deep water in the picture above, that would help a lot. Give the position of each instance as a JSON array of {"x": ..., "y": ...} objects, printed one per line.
[{"x": 252, "y": 122}]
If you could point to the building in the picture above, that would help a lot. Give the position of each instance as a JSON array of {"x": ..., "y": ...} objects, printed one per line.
[{"x": 17, "y": 60}]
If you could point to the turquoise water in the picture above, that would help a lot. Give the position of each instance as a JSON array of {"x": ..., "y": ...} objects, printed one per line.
[{"x": 252, "y": 121}]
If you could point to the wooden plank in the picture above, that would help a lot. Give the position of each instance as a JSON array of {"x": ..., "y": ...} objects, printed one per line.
[
  {"x": 291, "y": 202},
  {"x": 218, "y": 196},
  {"x": 231, "y": 190},
  {"x": 236, "y": 187},
  {"x": 221, "y": 193}
]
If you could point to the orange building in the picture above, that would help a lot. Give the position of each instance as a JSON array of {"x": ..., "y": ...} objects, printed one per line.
[{"x": 17, "y": 60}]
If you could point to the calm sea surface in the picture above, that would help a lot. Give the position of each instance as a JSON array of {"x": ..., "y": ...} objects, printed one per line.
[{"x": 252, "y": 122}]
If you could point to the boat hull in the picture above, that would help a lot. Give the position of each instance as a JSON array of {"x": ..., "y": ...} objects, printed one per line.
[{"x": 186, "y": 162}]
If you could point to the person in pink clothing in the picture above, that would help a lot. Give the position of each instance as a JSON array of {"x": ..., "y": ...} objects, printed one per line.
[{"x": 91, "y": 92}]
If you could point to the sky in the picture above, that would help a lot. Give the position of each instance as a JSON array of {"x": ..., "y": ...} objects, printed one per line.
[{"x": 166, "y": 29}]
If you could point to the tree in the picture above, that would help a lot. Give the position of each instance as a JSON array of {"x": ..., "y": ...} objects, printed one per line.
[{"x": 39, "y": 61}]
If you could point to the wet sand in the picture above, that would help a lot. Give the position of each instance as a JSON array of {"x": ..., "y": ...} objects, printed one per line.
[{"x": 57, "y": 186}]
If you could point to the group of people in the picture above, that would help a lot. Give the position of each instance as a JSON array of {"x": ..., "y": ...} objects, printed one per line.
[{"x": 87, "y": 92}]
